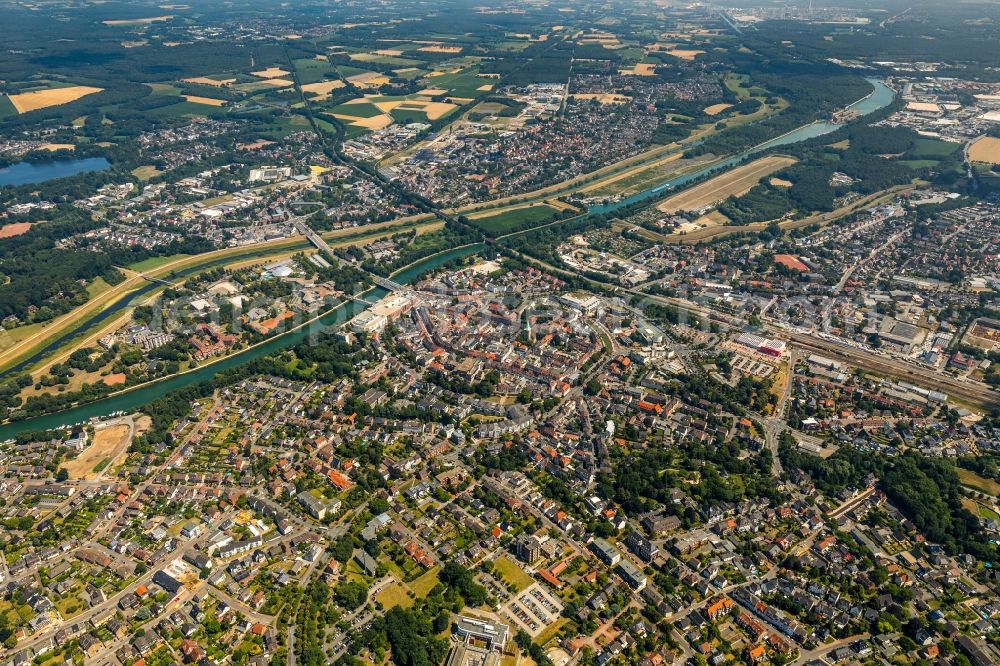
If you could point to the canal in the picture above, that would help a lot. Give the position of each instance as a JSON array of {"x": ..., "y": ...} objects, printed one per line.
[{"x": 132, "y": 399}]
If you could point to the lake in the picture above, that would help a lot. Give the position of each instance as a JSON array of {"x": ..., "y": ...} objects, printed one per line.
[{"x": 26, "y": 173}]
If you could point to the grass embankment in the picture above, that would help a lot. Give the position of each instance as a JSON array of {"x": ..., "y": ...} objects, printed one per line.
[{"x": 30, "y": 342}]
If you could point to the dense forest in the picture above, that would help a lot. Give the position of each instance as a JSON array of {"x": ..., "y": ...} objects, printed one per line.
[
  {"x": 42, "y": 281},
  {"x": 873, "y": 157}
]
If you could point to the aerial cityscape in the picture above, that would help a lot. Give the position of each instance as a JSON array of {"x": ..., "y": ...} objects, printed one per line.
[{"x": 504, "y": 333}]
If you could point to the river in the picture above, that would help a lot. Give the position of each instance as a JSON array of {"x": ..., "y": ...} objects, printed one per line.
[
  {"x": 881, "y": 96},
  {"x": 29, "y": 173},
  {"x": 132, "y": 399}
]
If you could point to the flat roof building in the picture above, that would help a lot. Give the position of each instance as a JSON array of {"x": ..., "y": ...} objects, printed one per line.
[{"x": 493, "y": 634}]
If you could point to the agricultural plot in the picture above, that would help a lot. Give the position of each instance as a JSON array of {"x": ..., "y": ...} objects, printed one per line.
[
  {"x": 378, "y": 112},
  {"x": 384, "y": 59},
  {"x": 357, "y": 109},
  {"x": 986, "y": 150},
  {"x": 271, "y": 73},
  {"x": 215, "y": 80},
  {"x": 367, "y": 79},
  {"x": 465, "y": 83},
  {"x": 322, "y": 89},
  {"x": 261, "y": 85},
  {"x": 310, "y": 70},
  {"x": 7, "y": 107},
  {"x": 409, "y": 73},
  {"x": 207, "y": 101},
  {"x": 186, "y": 108},
  {"x": 511, "y": 220},
  {"x": 733, "y": 183},
  {"x": 42, "y": 99}
]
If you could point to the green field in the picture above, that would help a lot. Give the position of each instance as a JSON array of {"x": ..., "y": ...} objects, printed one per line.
[
  {"x": 311, "y": 71},
  {"x": 182, "y": 109},
  {"x": 389, "y": 60},
  {"x": 925, "y": 148},
  {"x": 394, "y": 595},
  {"x": 154, "y": 262},
  {"x": 6, "y": 107},
  {"x": 404, "y": 116},
  {"x": 422, "y": 586},
  {"x": 163, "y": 89},
  {"x": 351, "y": 131},
  {"x": 735, "y": 83},
  {"x": 972, "y": 480},
  {"x": 254, "y": 86},
  {"x": 347, "y": 70},
  {"x": 512, "y": 574},
  {"x": 461, "y": 84},
  {"x": 363, "y": 110},
  {"x": 919, "y": 164},
  {"x": 516, "y": 219},
  {"x": 409, "y": 73}
]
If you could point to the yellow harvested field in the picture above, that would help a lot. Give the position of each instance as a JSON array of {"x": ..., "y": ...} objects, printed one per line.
[
  {"x": 205, "y": 81},
  {"x": 711, "y": 219},
  {"x": 685, "y": 54},
  {"x": 110, "y": 443},
  {"x": 985, "y": 149},
  {"x": 392, "y": 53},
  {"x": 716, "y": 109},
  {"x": 207, "y": 101},
  {"x": 486, "y": 87},
  {"x": 604, "y": 98},
  {"x": 42, "y": 99},
  {"x": 53, "y": 147},
  {"x": 642, "y": 69},
  {"x": 434, "y": 110},
  {"x": 780, "y": 182},
  {"x": 440, "y": 48},
  {"x": 373, "y": 123},
  {"x": 433, "y": 92},
  {"x": 323, "y": 88},
  {"x": 735, "y": 182},
  {"x": 139, "y": 21},
  {"x": 368, "y": 80},
  {"x": 270, "y": 73}
]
